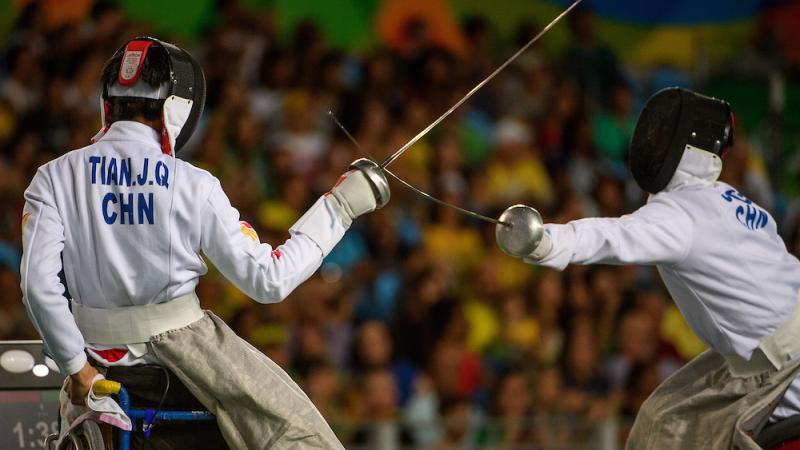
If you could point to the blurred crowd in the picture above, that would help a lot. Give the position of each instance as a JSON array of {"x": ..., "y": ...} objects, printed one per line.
[{"x": 417, "y": 331}]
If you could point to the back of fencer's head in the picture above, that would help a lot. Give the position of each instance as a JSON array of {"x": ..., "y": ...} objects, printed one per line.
[{"x": 155, "y": 72}]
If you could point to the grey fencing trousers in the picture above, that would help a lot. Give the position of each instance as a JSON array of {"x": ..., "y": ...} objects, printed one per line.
[{"x": 257, "y": 404}]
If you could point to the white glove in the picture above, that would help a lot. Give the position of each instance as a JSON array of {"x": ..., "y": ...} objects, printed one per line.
[
  {"x": 542, "y": 250},
  {"x": 361, "y": 190}
]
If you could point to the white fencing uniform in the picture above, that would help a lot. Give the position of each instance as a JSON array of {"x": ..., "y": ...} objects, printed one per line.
[
  {"x": 718, "y": 253},
  {"x": 130, "y": 224}
]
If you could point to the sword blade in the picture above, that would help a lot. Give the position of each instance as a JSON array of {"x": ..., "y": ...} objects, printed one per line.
[
  {"x": 412, "y": 187},
  {"x": 386, "y": 162}
]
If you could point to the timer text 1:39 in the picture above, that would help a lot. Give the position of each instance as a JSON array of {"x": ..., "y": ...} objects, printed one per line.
[{"x": 40, "y": 428}]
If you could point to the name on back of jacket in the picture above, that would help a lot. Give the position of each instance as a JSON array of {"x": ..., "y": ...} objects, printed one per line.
[{"x": 127, "y": 206}]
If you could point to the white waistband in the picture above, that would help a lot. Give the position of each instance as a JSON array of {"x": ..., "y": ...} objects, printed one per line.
[
  {"x": 777, "y": 349},
  {"x": 135, "y": 324}
]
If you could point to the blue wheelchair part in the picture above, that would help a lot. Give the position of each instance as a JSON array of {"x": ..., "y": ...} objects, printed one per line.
[
  {"x": 148, "y": 417},
  {"x": 90, "y": 437}
]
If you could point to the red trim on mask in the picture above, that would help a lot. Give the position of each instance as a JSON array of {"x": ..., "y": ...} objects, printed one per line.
[
  {"x": 730, "y": 140},
  {"x": 106, "y": 110},
  {"x": 106, "y": 114},
  {"x": 165, "y": 147},
  {"x": 132, "y": 60}
]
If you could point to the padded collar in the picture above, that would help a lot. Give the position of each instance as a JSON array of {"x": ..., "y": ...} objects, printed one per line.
[
  {"x": 129, "y": 130},
  {"x": 697, "y": 168}
]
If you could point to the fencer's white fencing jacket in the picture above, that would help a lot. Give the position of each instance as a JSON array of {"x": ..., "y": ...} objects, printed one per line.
[
  {"x": 130, "y": 224},
  {"x": 718, "y": 253}
]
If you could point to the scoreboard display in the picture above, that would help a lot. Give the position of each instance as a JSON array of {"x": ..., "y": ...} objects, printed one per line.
[
  {"x": 27, "y": 417},
  {"x": 29, "y": 387}
]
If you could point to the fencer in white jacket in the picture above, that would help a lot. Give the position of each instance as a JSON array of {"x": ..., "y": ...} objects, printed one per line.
[
  {"x": 129, "y": 223},
  {"x": 718, "y": 253}
]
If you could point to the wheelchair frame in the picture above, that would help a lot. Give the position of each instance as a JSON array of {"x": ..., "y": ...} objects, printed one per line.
[{"x": 147, "y": 416}]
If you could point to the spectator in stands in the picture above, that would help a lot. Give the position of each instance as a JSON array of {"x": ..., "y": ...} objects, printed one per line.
[{"x": 381, "y": 429}]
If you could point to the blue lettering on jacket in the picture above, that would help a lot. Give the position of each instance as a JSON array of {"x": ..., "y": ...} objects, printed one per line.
[
  {"x": 111, "y": 178},
  {"x": 162, "y": 174},
  {"x": 127, "y": 207},
  {"x": 731, "y": 194},
  {"x": 145, "y": 208},
  {"x": 109, "y": 171},
  {"x": 95, "y": 160},
  {"x": 142, "y": 177},
  {"x": 125, "y": 172},
  {"x": 753, "y": 218},
  {"x": 748, "y": 214},
  {"x": 109, "y": 198}
]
